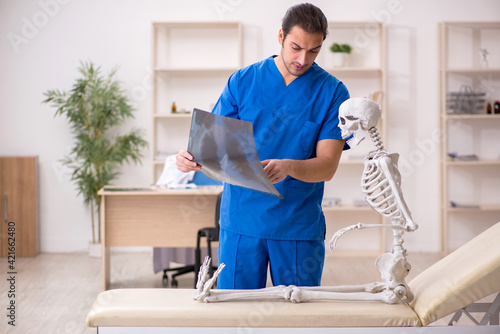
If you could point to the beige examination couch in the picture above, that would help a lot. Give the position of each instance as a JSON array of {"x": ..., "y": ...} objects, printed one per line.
[{"x": 465, "y": 276}]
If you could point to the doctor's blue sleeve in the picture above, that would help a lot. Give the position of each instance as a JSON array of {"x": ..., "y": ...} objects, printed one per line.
[
  {"x": 227, "y": 105},
  {"x": 330, "y": 128}
]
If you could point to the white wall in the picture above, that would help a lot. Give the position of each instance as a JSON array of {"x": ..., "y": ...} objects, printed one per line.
[{"x": 52, "y": 36}]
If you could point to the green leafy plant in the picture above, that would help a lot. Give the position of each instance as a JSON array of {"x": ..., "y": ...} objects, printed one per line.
[
  {"x": 94, "y": 108},
  {"x": 345, "y": 48}
]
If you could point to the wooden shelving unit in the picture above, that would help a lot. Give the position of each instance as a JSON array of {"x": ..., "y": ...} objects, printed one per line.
[
  {"x": 475, "y": 183},
  {"x": 191, "y": 62}
]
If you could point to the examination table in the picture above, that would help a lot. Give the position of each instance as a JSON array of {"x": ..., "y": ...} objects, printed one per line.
[{"x": 463, "y": 277}]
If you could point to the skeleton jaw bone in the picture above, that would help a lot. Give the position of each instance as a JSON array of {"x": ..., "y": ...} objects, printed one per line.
[{"x": 357, "y": 137}]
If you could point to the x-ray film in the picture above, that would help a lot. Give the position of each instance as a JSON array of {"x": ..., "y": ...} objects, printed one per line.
[{"x": 225, "y": 148}]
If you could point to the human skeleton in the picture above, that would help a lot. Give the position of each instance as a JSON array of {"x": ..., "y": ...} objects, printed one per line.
[{"x": 380, "y": 185}]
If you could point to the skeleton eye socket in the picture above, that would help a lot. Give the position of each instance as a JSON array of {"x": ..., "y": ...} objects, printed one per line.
[
  {"x": 342, "y": 120},
  {"x": 351, "y": 118}
]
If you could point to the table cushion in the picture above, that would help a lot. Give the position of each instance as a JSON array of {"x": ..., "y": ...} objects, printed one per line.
[
  {"x": 470, "y": 273},
  {"x": 176, "y": 308}
]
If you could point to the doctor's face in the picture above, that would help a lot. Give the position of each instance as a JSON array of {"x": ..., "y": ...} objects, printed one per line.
[{"x": 299, "y": 49}]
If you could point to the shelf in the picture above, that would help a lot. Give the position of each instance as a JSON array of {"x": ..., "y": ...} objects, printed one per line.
[
  {"x": 199, "y": 70},
  {"x": 472, "y": 116},
  {"x": 471, "y": 70},
  {"x": 363, "y": 70},
  {"x": 179, "y": 115},
  {"x": 347, "y": 208},
  {"x": 352, "y": 24},
  {"x": 351, "y": 253},
  {"x": 352, "y": 162},
  {"x": 473, "y": 24},
  {"x": 197, "y": 25},
  {"x": 485, "y": 208},
  {"x": 473, "y": 163}
]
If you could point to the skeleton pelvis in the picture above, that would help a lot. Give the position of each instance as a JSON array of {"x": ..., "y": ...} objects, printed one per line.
[{"x": 393, "y": 269}]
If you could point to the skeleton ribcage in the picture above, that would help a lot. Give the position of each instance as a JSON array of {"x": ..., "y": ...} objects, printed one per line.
[{"x": 377, "y": 191}]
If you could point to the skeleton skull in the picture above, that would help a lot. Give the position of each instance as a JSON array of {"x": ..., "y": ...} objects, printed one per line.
[{"x": 356, "y": 116}]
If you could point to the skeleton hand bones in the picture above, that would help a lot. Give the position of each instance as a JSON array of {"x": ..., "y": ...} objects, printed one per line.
[{"x": 205, "y": 283}]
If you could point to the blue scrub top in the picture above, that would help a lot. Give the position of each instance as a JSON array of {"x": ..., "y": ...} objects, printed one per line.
[{"x": 288, "y": 121}]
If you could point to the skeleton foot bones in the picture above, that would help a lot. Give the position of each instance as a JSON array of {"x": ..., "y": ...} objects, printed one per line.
[{"x": 381, "y": 188}]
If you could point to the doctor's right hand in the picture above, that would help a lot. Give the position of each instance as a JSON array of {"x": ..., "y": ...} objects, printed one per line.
[{"x": 185, "y": 163}]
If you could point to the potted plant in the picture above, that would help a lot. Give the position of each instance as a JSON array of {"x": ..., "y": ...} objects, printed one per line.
[
  {"x": 94, "y": 108},
  {"x": 341, "y": 54}
]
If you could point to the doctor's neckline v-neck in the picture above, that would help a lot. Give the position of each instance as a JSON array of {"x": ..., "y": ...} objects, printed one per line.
[{"x": 277, "y": 72}]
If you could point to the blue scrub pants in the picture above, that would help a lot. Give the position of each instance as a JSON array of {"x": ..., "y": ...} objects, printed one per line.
[{"x": 290, "y": 262}]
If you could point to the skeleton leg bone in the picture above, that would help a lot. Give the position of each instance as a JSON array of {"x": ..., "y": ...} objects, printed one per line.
[
  {"x": 204, "y": 286},
  {"x": 302, "y": 295},
  {"x": 299, "y": 294},
  {"x": 370, "y": 288},
  {"x": 280, "y": 291},
  {"x": 376, "y": 291}
]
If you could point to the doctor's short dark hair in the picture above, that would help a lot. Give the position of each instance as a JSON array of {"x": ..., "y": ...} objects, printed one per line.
[{"x": 308, "y": 17}]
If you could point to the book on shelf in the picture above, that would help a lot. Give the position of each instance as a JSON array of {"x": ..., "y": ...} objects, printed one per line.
[
  {"x": 463, "y": 157},
  {"x": 457, "y": 205}
]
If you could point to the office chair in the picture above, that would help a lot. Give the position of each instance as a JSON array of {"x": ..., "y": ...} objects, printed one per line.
[{"x": 211, "y": 234}]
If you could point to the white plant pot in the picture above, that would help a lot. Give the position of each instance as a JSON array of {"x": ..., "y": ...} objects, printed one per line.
[
  {"x": 95, "y": 250},
  {"x": 341, "y": 59}
]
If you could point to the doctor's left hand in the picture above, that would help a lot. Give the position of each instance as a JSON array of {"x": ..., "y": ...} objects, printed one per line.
[
  {"x": 185, "y": 163},
  {"x": 276, "y": 170}
]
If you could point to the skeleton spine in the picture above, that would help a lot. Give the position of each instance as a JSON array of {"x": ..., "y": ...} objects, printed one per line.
[{"x": 375, "y": 136}]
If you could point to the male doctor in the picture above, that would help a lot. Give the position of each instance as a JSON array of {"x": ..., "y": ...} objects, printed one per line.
[{"x": 293, "y": 106}]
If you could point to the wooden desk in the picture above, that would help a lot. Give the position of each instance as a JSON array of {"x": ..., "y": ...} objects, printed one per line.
[{"x": 133, "y": 217}]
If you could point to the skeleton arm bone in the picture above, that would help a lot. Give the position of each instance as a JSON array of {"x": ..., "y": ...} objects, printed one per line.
[
  {"x": 390, "y": 172},
  {"x": 339, "y": 233}
]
